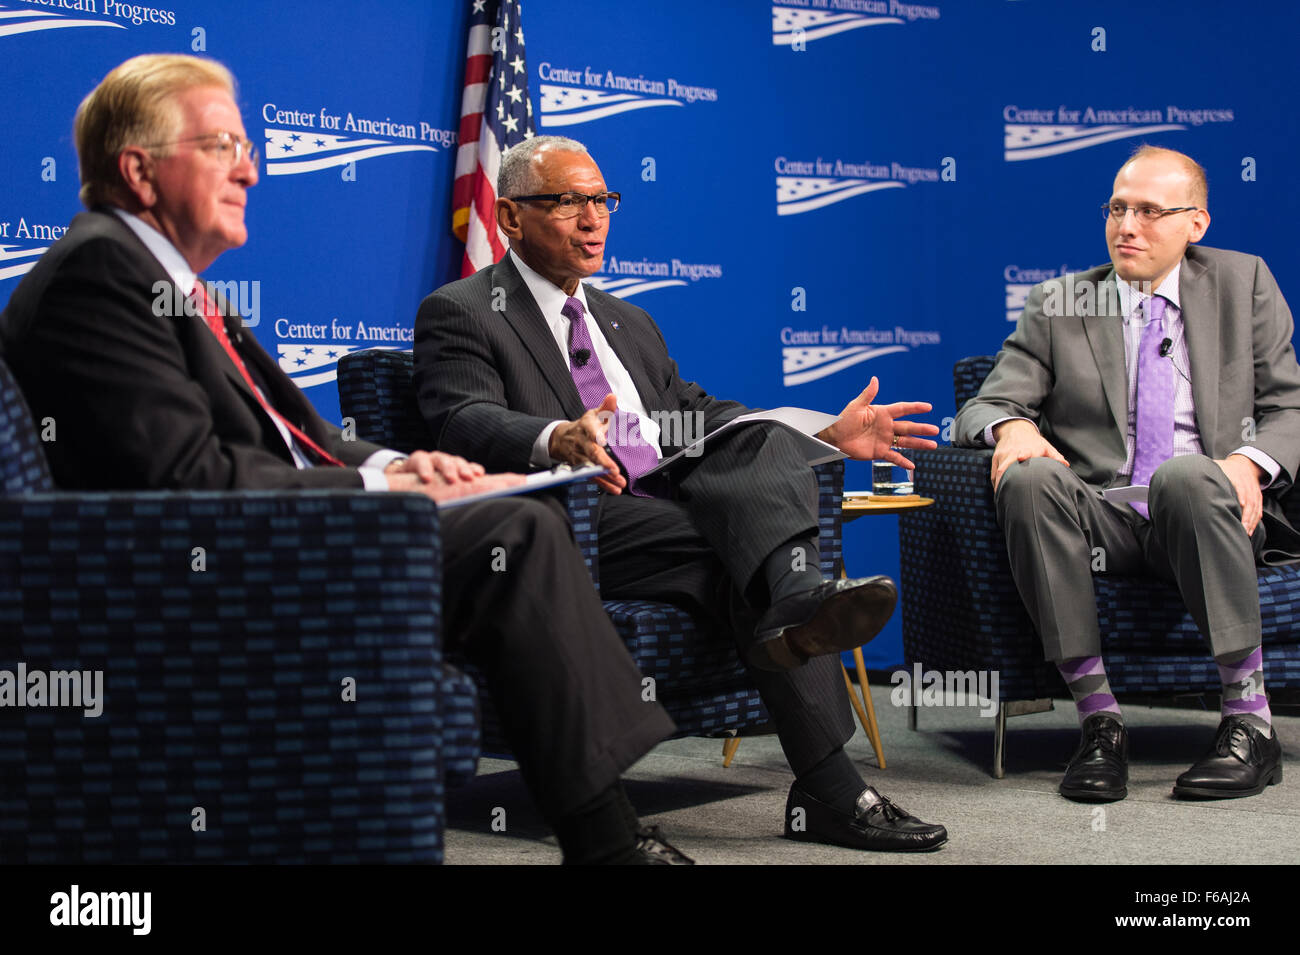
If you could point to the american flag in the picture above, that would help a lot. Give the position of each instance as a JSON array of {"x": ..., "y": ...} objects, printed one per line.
[{"x": 495, "y": 114}]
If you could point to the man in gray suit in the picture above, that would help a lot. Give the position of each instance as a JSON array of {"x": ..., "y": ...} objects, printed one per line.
[{"x": 1172, "y": 367}]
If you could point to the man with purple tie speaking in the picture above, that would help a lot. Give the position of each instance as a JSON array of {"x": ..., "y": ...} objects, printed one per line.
[{"x": 521, "y": 366}]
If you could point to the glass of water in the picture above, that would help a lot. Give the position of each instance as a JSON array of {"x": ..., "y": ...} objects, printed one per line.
[{"x": 890, "y": 480}]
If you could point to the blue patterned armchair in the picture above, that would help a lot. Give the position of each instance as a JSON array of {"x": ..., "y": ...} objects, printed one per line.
[
  {"x": 961, "y": 610},
  {"x": 698, "y": 675},
  {"x": 273, "y": 686}
]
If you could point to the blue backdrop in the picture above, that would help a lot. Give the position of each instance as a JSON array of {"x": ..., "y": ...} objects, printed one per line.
[{"x": 814, "y": 192}]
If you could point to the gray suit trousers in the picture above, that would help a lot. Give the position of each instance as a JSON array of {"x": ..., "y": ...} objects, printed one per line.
[{"x": 1057, "y": 528}]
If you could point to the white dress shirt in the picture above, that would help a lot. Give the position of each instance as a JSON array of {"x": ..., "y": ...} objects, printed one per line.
[{"x": 550, "y": 299}]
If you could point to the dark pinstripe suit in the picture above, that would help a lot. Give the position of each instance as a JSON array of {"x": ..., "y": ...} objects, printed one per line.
[{"x": 489, "y": 380}]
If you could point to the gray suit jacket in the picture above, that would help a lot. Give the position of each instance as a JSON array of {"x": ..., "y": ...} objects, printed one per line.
[
  {"x": 1063, "y": 368},
  {"x": 489, "y": 379}
]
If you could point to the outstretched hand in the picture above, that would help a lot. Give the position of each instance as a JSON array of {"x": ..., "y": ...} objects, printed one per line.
[{"x": 867, "y": 432}]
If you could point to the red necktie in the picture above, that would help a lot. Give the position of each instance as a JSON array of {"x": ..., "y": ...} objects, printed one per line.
[{"x": 218, "y": 325}]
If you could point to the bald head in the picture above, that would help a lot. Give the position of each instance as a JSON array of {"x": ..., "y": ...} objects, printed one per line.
[{"x": 1198, "y": 190}]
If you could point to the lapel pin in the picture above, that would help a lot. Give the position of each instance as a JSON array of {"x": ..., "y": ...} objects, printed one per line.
[{"x": 613, "y": 324}]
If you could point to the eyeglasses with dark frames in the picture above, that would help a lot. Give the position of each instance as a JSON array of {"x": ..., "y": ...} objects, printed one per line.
[{"x": 570, "y": 204}]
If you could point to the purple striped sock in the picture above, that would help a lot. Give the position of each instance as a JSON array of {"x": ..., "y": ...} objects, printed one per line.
[
  {"x": 1086, "y": 679},
  {"x": 1242, "y": 675}
]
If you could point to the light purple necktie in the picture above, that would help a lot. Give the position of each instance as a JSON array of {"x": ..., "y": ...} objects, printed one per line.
[
  {"x": 1154, "y": 437},
  {"x": 624, "y": 434}
]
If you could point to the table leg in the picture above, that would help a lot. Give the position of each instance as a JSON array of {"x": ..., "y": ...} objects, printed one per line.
[{"x": 865, "y": 709}]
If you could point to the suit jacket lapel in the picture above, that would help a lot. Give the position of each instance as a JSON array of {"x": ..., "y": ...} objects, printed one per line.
[
  {"x": 621, "y": 341},
  {"x": 525, "y": 317},
  {"x": 1104, "y": 327},
  {"x": 289, "y": 402},
  {"x": 1198, "y": 299},
  {"x": 180, "y": 295}
]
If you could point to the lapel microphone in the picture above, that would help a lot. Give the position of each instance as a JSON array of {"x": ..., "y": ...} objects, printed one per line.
[
  {"x": 581, "y": 357},
  {"x": 1165, "y": 347}
]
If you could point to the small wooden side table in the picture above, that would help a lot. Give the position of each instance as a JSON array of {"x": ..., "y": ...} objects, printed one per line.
[
  {"x": 855, "y": 506},
  {"x": 858, "y": 504}
]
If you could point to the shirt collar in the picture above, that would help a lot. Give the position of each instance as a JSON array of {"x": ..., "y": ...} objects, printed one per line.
[
  {"x": 168, "y": 256},
  {"x": 1130, "y": 298},
  {"x": 550, "y": 297}
]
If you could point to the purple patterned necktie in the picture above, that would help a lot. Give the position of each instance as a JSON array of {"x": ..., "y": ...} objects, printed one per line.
[
  {"x": 624, "y": 434},
  {"x": 1154, "y": 437}
]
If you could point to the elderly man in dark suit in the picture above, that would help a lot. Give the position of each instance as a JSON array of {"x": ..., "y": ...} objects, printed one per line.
[
  {"x": 1172, "y": 367},
  {"x": 150, "y": 396},
  {"x": 522, "y": 366}
]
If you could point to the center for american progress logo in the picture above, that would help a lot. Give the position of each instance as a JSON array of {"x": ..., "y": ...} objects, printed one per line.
[
  {"x": 572, "y": 95},
  {"x": 803, "y": 185},
  {"x": 797, "y": 22},
  {"x": 16, "y": 21},
  {"x": 1038, "y": 133},
  {"x": 309, "y": 141}
]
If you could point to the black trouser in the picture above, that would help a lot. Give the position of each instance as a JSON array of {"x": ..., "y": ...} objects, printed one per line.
[
  {"x": 564, "y": 685},
  {"x": 749, "y": 494}
]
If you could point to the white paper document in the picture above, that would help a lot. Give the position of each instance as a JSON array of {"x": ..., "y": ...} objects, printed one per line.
[
  {"x": 802, "y": 422},
  {"x": 533, "y": 482},
  {"x": 1132, "y": 494}
]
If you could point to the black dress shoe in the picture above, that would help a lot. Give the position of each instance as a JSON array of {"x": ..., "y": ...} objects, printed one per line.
[
  {"x": 1098, "y": 770},
  {"x": 653, "y": 849},
  {"x": 876, "y": 823},
  {"x": 834, "y": 616},
  {"x": 1241, "y": 762}
]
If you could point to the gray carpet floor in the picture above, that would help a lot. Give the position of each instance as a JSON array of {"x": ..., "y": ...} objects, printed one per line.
[{"x": 941, "y": 773}]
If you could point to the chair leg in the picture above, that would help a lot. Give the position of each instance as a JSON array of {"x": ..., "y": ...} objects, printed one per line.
[
  {"x": 729, "y": 747},
  {"x": 999, "y": 740},
  {"x": 1008, "y": 708}
]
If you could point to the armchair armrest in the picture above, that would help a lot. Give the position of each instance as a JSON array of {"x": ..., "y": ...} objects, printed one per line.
[
  {"x": 583, "y": 504},
  {"x": 830, "y": 516},
  {"x": 270, "y": 677}
]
